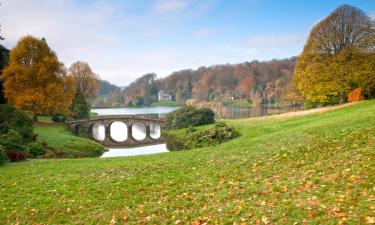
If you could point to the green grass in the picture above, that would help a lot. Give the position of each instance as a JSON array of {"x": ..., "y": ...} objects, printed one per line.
[
  {"x": 315, "y": 169},
  {"x": 62, "y": 141},
  {"x": 240, "y": 104},
  {"x": 45, "y": 119},
  {"x": 167, "y": 103}
]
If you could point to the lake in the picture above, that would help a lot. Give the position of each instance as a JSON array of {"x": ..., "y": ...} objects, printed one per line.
[{"x": 228, "y": 112}]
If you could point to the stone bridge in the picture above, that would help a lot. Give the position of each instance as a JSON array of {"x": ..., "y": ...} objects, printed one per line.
[{"x": 119, "y": 131}]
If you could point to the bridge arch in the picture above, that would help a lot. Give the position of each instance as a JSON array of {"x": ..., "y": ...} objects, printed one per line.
[
  {"x": 98, "y": 131},
  {"x": 155, "y": 130},
  {"x": 121, "y": 134},
  {"x": 139, "y": 131}
]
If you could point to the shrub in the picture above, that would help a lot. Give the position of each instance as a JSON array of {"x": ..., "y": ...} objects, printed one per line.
[
  {"x": 37, "y": 149},
  {"x": 188, "y": 116},
  {"x": 3, "y": 157},
  {"x": 11, "y": 118},
  {"x": 209, "y": 137},
  {"x": 355, "y": 95},
  {"x": 56, "y": 118},
  {"x": 14, "y": 146}
]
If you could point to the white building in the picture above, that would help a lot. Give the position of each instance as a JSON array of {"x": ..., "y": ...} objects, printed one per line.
[{"x": 163, "y": 96}]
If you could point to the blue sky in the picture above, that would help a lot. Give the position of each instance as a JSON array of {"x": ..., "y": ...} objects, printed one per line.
[{"x": 125, "y": 39}]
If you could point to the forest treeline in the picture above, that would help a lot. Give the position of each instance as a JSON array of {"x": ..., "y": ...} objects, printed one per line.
[{"x": 257, "y": 82}]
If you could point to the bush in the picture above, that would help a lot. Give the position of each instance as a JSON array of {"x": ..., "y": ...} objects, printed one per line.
[
  {"x": 14, "y": 146},
  {"x": 11, "y": 118},
  {"x": 209, "y": 137},
  {"x": 188, "y": 116},
  {"x": 355, "y": 95},
  {"x": 58, "y": 119},
  {"x": 37, "y": 149},
  {"x": 3, "y": 157}
]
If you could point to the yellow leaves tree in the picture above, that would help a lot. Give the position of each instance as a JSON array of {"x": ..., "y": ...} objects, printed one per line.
[
  {"x": 35, "y": 80},
  {"x": 328, "y": 66}
]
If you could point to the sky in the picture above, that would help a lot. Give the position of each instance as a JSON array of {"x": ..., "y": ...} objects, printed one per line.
[{"x": 125, "y": 39}]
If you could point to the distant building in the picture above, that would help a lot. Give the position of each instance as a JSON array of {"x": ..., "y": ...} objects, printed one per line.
[{"x": 163, "y": 96}]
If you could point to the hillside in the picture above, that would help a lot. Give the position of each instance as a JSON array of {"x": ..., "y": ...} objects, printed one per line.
[
  {"x": 109, "y": 95},
  {"x": 258, "y": 82},
  {"x": 305, "y": 169}
]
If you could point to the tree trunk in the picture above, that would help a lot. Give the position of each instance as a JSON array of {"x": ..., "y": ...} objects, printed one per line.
[{"x": 35, "y": 118}]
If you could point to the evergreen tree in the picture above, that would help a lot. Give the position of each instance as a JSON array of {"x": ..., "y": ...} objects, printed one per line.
[
  {"x": 4, "y": 56},
  {"x": 80, "y": 107}
]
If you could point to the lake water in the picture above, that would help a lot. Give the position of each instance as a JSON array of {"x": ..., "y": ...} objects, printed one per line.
[
  {"x": 120, "y": 133},
  {"x": 154, "y": 112}
]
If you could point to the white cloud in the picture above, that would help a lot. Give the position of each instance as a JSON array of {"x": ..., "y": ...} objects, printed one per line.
[
  {"x": 170, "y": 6},
  {"x": 121, "y": 45},
  {"x": 273, "y": 40},
  {"x": 73, "y": 33},
  {"x": 109, "y": 36}
]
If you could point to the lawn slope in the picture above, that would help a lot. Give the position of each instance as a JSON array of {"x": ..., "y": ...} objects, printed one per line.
[
  {"x": 64, "y": 143},
  {"x": 314, "y": 169}
]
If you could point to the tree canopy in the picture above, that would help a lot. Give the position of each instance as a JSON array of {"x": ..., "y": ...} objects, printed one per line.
[
  {"x": 260, "y": 82},
  {"x": 337, "y": 57},
  {"x": 35, "y": 80},
  {"x": 86, "y": 81}
]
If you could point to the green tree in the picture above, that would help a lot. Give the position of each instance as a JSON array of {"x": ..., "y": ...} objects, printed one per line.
[
  {"x": 80, "y": 107},
  {"x": 324, "y": 72},
  {"x": 4, "y": 57}
]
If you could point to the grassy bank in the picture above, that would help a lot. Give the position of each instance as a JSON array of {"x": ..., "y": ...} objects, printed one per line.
[
  {"x": 167, "y": 103},
  {"x": 313, "y": 169},
  {"x": 64, "y": 143},
  {"x": 240, "y": 104}
]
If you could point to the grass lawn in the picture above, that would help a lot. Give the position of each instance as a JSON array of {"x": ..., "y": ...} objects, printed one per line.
[
  {"x": 312, "y": 169},
  {"x": 240, "y": 104},
  {"x": 167, "y": 103},
  {"x": 58, "y": 137}
]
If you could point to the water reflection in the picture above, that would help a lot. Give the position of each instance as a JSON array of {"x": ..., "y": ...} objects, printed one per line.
[
  {"x": 98, "y": 132},
  {"x": 155, "y": 131},
  {"x": 231, "y": 112},
  {"x": 150, "y": 112},
  {"x": 139, "y": 131},
  {"x": 152, "y": 149},
  {"x": 119, "y": 131}
]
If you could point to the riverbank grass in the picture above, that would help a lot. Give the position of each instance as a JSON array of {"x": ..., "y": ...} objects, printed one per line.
[
  {"x": 65, "y": 143},
  {"x": 311, "y": 169},
  {"x": 240, "y": 104}
]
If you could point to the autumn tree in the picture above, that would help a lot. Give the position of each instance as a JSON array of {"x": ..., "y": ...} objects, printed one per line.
[
  {"x": 35, "y": 80},
  {"x": 323, "y": 73},
  {"x": 142, "y": 91},
  {"x": 86, "y": 81}
]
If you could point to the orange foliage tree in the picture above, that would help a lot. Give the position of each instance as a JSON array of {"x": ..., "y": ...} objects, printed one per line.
[
  {"x": 36, "y": 81},
  {"x": 355, "y": 95}
]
